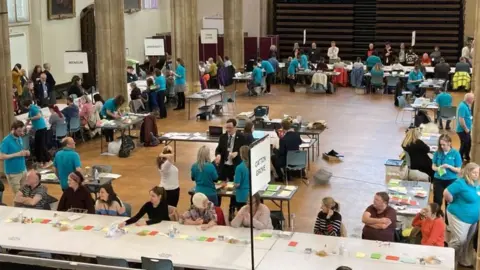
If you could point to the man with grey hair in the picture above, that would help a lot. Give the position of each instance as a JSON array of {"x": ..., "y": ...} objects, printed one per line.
[
  {"x": 52, "y": 99},
  {"x": 464, "y": 125},
  {"x": 33, "y": 194}
]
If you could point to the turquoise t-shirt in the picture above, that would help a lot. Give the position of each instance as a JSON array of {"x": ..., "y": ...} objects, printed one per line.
[
  {"x": 39, "y": 123},
  {"x": 109, "y": 105},
  {"x": 205, "y": 179},
  {"x": 372, "y": 61},
  {"x": 292, "y": 68},
  {"x": 414, "y": 76},
  {"x": 466, "y": 201},
  {"x": 180, "y": 71},
  {"x": 12, "y": 145},
  {"x": 242, "y": 177},
  {"x": 444, "y": 100},
  {"x": 161, "y": 82},
  {"x": 452, "y": 158},
  {"x": 268, "y": 67},
  {"x": 464, "y": 112},
  {"x": 257, "y": 75},
  {"x": 66, "y": 161},
  {"x": 304, "y": 61},
  {"x": 377, "y": 73}
]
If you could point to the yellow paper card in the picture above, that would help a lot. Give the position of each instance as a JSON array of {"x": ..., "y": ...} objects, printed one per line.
[
  {"x": 360, "y": 255},
  {"x": 105, "y": 229},
  {"x": 8, "y": 220},
  {"x": 259, "y": 238},
  {"x": 183, "y": 236}
]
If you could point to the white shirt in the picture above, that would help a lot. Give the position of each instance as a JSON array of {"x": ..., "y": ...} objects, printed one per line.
[
  {"x": 169, "y": 176},
  {"x": 333, "y": 53},
  {"x": 466, "y": 52},
  {"x": 231, "y": 140},
  {"x": 227, "y": 63}
]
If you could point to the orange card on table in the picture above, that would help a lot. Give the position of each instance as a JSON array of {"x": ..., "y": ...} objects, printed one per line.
[
  {"x": 211, "y": 239},
  {"x": 292, "y": 244},
  {"x": 413, "y": 202},
  {"x": 87, "y": 228},
  {"x": 392, "y": 258},
  {"x": 45, "y": 221},
  {"x": 153, "y": 233}
]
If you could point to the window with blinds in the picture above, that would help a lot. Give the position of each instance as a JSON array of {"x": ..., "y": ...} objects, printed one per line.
[
  {"x": 18, "y": 11},
  {"x": 150, "y": 4}
]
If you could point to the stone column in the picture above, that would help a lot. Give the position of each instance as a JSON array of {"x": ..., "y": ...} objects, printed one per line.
[
  {"x": 110, "y": 39},
  {"x": 185, "y": 37},
  {"x": 263, "y": 18},
  {"x": 233, "y": 28},
  {"x": 475, "y": 152},
  {"x": 6, "y": 105}
]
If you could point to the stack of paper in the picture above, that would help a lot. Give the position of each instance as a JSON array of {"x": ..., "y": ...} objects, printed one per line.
[
  {"x": 109, "y": 175},
  {"x": 394, "y": 183},
  {"x": 49, "y": 176},
  {"x": 284, "y": 193},
  {"x": 274, "y": 188},
  {"x": 401, "y": 190},
  {"x": 290, "y": 188}
]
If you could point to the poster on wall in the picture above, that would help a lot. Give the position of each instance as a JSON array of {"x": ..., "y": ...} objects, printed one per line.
[
  {"x": 75, "y": 62},
  {"x": 209, "y": 36},
  {"x": 154, "y": 46},
  {"x": 260, "y": 164}
]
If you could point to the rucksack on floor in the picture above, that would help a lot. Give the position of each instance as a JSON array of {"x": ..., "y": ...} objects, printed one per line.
[{"x": 127, "y": 147}]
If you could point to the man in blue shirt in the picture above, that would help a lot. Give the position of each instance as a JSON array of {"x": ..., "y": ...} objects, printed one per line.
[
  {"x": 292, "y": 70},
  {"x": 13, "y": 154},
  {"x": 66, "y": 161},
  {"x": 464, "y": 125},
  {"x": 71, "y": 111},
  {"x": 444, "y": 99},
  {"x": 415, "y": 78},
  {"x": 269, "y": 70}
]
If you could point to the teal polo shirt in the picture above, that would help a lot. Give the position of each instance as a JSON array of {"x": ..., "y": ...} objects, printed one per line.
[
  {"x": 12, "y": 145},
  {"x": 257, "y": 75},
  {"x": 180, "y": 71},
  {"x": 205, "y": 179},
  {"x": 372, "y": 60},
  {"x": 268, "y": 67},
  {"x": 39, "y": 123},
  {"x": 452, "y": 158},
  {"x": 110, "y": 106},
  {"x": 414, "y": 76},
  {"x": 444, "y": 100},
  {"x": 292, "y": 68},
  {"x": 466, "y": 201},
  {"x": 242, "y": 177},
  {"x": 304, "y": 61},
  {"x": 161, "y": 83},
  {"x": 66, "y": 161},
  {"x": 464, "y": 112}
]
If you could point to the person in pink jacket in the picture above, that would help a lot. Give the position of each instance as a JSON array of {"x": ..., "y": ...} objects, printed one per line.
[{"x": 261, "y": 215}]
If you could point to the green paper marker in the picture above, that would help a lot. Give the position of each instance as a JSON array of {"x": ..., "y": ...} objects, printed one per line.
[{"x": 376, "y": 256}]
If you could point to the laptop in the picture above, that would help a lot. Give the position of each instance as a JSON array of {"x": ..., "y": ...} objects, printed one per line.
[{"x": 215, "y": 131}]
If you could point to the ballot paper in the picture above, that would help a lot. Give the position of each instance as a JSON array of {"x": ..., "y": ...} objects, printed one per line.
[{"x": 109, "y": 175}]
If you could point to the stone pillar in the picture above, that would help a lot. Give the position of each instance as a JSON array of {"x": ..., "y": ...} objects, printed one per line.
[
  {"x": 6, "y": 105},
  {"x": 233, "y": 28},
  {"x": 185, "y": 38},
  {"x": 264, "y": 17},
  {"x": 110, "y": 38},
  {"x": 475, "y": 152}
]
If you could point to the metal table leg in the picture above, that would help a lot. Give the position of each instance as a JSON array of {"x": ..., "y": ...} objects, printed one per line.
[
  {"x": 175, "y": 151},
  {"x": 189, "y": 101},
  {"x": 289, "y": 214}
]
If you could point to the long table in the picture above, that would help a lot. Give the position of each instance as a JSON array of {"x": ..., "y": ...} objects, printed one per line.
[
  {"x": 45, "y": 112},
  {"x": 194, "y": 248},
  {"x": 389, "y": 68},
  {"x": 205, "y": 96},
  {"x": 121, "y": 124}
]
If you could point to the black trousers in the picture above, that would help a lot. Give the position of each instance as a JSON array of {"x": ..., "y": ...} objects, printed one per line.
[
  {"x": 278, "y": 163},
  {"x": 40, "y": 143},
  {"x": 465, "y": 144},
  {"x": 438, "y": 187},
  {"x": 268, "y": 81},
  {"x": 292, "y": 82},
  {"x": 173, "y": 197},
  {"x": 228, "y": 173},
  {"x": 161, "y": 104},
  {"x": 181, "y": 100}
]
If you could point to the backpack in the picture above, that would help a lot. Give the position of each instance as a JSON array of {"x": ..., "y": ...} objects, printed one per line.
[
  {"x": 421, "y": 118},
  {"x": 127, "y": 146},
  {"x": 154, "y": 141}
]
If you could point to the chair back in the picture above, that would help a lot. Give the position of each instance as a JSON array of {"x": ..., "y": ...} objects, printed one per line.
[
  {"x": 448, "y": 112},
  {"x": 297, "y": 159},
  {"x": 392, "y": 81},
  {"x": 102, "y": 168},
  {"x": 376, "y": 80},
  {"x": 112, "y": 262},
  {"x": 26, "y": 142},
  {"x": 61, "y": 130},
  {"x": 128, "y": 208},
  {"x": 156, "y": 264},
  {"x": 402, "y": 103},
  {"x": 74, "y": 123}
]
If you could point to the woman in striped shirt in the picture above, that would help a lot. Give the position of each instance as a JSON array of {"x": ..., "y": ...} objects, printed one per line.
[{"x": 329, "y": 220}]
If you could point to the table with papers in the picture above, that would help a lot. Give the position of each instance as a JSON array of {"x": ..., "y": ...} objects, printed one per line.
[
  {"x": 408, "y": 197},
  {"x": 431, "y": 139},
  {"x": 123, "y": 124},
  {"x": 204, "y": 95},
  {"x": 45, "y": 112}
]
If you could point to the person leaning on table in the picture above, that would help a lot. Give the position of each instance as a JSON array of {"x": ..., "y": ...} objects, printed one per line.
[
  {"x": 415, "y": 78},
  {"x": 202, "y": 212},
  {"x": 13, "y": 155},
  {"x": 76, "y": 196},
  {"x": 108, "y": 111},
  {"x": 380, "y": 219},
  {"x": 261, "y": 215},
  {"x": 463, "y": 212},
  {"x": 156, "y": 209},
  {"x": 431, "y": 224},
  {"x": 33, "y": 194}
]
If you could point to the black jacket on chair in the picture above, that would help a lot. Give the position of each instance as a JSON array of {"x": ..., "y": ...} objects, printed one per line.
[
  {"x": 419, "y": 159},
  {"x": 222, "y": 148}
]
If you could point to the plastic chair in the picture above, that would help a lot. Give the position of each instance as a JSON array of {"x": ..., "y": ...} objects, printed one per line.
[
  {"x": 102, "y": 168},
  {"x": 405, "y": 107},
  {"x": 75, "y": 126},
  {"x": 448, "y": 113},
  {"x": 112, "y": 262},
  {"x": 296, "y": 161},
  {"x": 128, "y": 208},
  {"x": 61, "y": 130},
  {"x": 376, "y": 82},
  {"x": 392, "y": 82},
  {"x": 156, "y": 264}
]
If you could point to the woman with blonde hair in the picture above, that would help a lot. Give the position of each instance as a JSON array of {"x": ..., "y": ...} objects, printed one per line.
[
  {"x": 169, "y": 175},
  {"x": 205, "y": 175},
  {"x": 329, "y": 220},
  {"x": 242, "y": 178},
  {"x": 463, "y": 212},
  {"x": 418, "y": 152}
]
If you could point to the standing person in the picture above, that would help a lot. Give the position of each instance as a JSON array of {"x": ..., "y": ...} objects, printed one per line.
[
  {"x": 333, "y": 53},
  {"x": 269, "y": 70},
  {"x": 401, "y": 53},
  {"x": 13, "y": 155},
  {"x": 292, "y": 71},
  {"x": 388, "y": 54},
  {"x": 35, "y": 116},
  {"x": 467, "y": 52},
  {"x": 51, "y": 83},
  {"x": 435, "y": 55},
  {"x": 371, "y": 49},
  {"x": 314, "y": 53},
  {"x": 66, "y": 161},
  {"x": 156, "y": 209},
  {"x": 464, "y": 125},
  {"x": 37, "y": 70},
  {"x": 28, "y": 93},
  {"x": 204, "y": 173},
  {"x": 76, "y": 196},
  {"x": 380, "y": 219},
  {"x": 295, "y": 49},
  {"x": 212, "y": 70},
  {"x": 109, "y": 111},
  {"x": 152, "y": 90},
  {"x": 411, "y": 57},
  {"x": 42, "y": 90},
  {"x": 242, "y": 178},
  {"x": 463, "y": 213},
  {"x": 446, "y": 163},
  {"x": 17, "y": 75},
  {"x": 169, "y": 175},
  {"x": 180, "y": 84},
  {"x": 161, "y": 83},
  {"x": 329, "y": 220}
]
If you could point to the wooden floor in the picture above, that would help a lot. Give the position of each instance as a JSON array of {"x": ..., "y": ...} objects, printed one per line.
[{"x": 362, "y": 127}]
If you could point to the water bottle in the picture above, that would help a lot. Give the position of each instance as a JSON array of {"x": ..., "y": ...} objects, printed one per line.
[
  {"x": 95, "y": 176},
  {"x": 171, "y": 232}
]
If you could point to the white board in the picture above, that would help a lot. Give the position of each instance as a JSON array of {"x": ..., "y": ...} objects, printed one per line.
[
  {"x": 154, "y": 46},
  {"x": 209, "y": 36},
  {"x": 75, "y": 62},
  {"x": 19, "y": 51},
  {"x": 260, "y": 165},
  {"x": 304, "y": 36},
  {"x": 414, "y": 35},
  {"x": 213, "y": 23}
]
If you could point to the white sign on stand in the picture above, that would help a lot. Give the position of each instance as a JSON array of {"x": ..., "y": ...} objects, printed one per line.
[
  {"x": 260, "y": 164},
  {"x": 209, "y": 36},
  {"x": 304, "y": 36},
  {"x": 154, "y": 46},
  {"x": 414, "y": 35},
  {"x": 75, "y": 62}
]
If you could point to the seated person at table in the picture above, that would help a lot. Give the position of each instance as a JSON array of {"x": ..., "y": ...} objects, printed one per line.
[
  {"x": 321, "y": 65},
  {"x": 432, "y": 226},
  {"x": 397, "y": 66},
  {"x": 77, "y": 196},
  {"x": 242, "y": 178},
  {"x": 426, "y": 61},
  {"x": 372, "y": 60},
  {"x": 415, "y": 77},
  {"x": 202, "y": 212},
  {"x": 156, "y": 209},
  {"x": 329, "y": 220},
  {"x": 204, "y": 173},
  {"x": 71, "y": 111},
  {"x": 248, "y": 132},
  {"x": 418, "y": 152},
  {"x": 444, "y": 99},
  {"x": 261, "y": 215},
  {"x": 108, "y": 204},
  {"x": 76, "y": 87},
  {"x": 379, "y": 219},
  {"x": 377, "y": 72},
  {"x": 411, "y": 57},
  {"x": 358, "y": 64},
  {"x": 109, "y": 111},
  {"x": 33, "y": 194},
  {"x": 136, "y": 92},
  {"x": 442, "y": 70},
  {"x": 290, "y": 141},
  {"x": 257, "y": 77},
  {"x": 131, "y": 76},
  {"x": 56, "y": 117},
  {"x": 462, "y": 66}
]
